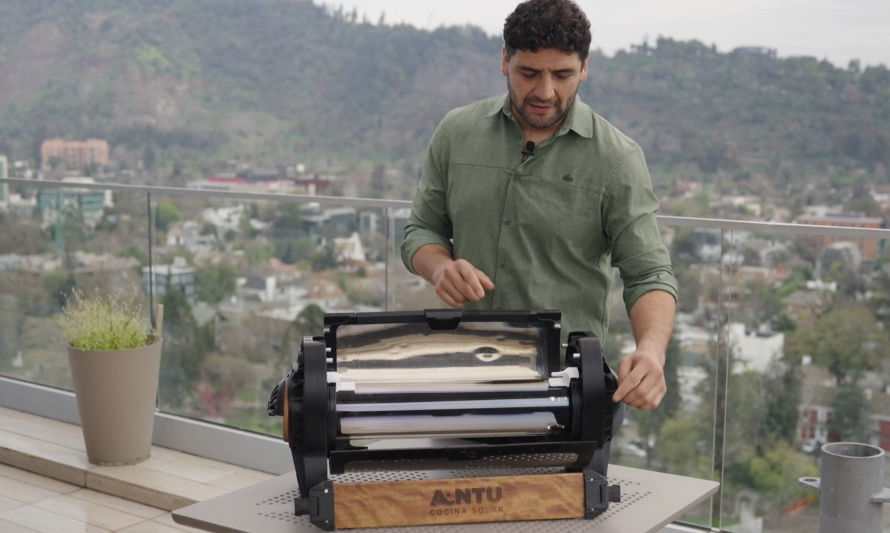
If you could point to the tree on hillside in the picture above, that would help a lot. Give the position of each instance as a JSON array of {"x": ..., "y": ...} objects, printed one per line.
[
  {"x": 222, "y": 376},
  {"x": 256, "y": 338},
  {"x": 186, "y": 345},
  {"x": 148, "y": 157},
  {"x": 27, "y": 238},
  {"x": 686, "y": 102},
  {"x": 258, "y": 252},
  {"x": 851, "y": 419},
  {"x": 862, "y": 201},
  {"x": 58, "y": 285},
  {"x": 754, "y": 428},
  {"x": 214, "y": 282},
  {"x": 773, "y": 473},
  {"x": 165, "y": 214},
  {"x": 847, "y": 340},
  {"x": 685, "y": 446},
  {"x": 782, "y": 392}
]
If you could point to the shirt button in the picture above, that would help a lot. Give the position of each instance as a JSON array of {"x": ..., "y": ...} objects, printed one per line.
[
  {"x": 507, "y": 222},
  {"x": 502, "y": 265}
]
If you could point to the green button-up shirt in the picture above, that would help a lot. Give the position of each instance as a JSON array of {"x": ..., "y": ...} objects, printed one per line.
[{"x": 547, "y": 230}]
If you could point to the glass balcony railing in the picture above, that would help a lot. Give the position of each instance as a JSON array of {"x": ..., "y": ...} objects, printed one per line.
[{"x": 780, "y": 342}]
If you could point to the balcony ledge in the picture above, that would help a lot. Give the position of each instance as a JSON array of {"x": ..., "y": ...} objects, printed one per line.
[{"x": 168, "y": 480}]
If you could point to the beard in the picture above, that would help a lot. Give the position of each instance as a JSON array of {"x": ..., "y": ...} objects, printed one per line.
[{"x": 537, "y": 121}]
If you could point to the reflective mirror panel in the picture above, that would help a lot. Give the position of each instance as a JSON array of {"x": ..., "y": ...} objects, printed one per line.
[{"x": 474, "y": 352}]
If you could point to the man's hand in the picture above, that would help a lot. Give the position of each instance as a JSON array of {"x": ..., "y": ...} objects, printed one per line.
[
  {"x": 641, "y": 374},
  {"x": 640, "y": 380},
  {"x": 458, "y": 282}
]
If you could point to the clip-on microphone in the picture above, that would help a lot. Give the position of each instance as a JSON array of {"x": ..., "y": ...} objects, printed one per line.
[{"x": 529, "y": 150}]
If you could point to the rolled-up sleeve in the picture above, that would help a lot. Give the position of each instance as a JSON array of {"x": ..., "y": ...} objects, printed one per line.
[
  {"x": 429, "y": 222},
  {"x": 638, "y": 251}
]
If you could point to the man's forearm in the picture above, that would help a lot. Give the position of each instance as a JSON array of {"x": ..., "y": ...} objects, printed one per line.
[
  {"x": 641, "y": 382},
  {"x": 429, "y": 258},
  {"x": 652, "y": 321}
]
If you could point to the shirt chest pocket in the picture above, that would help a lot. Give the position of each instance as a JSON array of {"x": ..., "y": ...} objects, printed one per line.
[
  {"x": 476, "y": 194},
  {"x": 561, "y": 217}
]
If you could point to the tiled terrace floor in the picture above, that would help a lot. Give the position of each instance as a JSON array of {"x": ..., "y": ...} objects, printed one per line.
[{"x": 48, "y": 486}]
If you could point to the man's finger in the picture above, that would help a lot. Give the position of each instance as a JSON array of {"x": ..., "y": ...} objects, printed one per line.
[
  {"x": 472, "y": 287},
  {"x": 648, "y": 393},
  {"x": 640, "y": 387},
  {"x": 446, "y": 297},
  {"x": 645, "y": 399},
  {"x": 453, "y": 282},
  {"x": 487, "y": 284},
  {"x": 628, "y": 379},
  {"x": 449, "y": 292}
]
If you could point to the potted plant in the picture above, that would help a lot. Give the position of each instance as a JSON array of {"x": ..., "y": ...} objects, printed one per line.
[{"x": 115, "y": 359}]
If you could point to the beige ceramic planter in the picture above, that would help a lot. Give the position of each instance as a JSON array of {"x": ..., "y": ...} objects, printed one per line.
[{"x": 116, "y": 394}]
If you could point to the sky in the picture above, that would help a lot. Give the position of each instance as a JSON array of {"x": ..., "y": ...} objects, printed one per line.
[{"x": 836, "y": 30}]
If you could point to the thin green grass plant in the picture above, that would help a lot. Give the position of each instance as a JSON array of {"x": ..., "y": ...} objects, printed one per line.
[{"x": 104, "y": 322}]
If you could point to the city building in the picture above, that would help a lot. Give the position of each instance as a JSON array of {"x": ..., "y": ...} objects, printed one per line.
[
  {"x": 10, "y": 201},
  {"x": 817, "y": 409},
  {"x": 329, "y": 221},
  {"x": 75, "y": 154},
  {"x": 187, "y": 234},
  {"x": 350, "y": 250},
  {"x": 225, "y": 218},
  {"x": 869, "y": 247},
  {"x": 758, "y": 351},
  {"x": 803, "y": 306},
  {"x": 268, "y": 179},
  {"x": 175, "y": 276},
  {"x": 87, "y": 204},
  {"x": 844, "y": 253}
]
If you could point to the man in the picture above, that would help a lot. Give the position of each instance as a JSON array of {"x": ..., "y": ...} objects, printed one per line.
[{"x": 528, "y": 200}]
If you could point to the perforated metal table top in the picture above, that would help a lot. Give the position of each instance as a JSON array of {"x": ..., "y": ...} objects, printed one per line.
[{"x": 649, "y": 501}]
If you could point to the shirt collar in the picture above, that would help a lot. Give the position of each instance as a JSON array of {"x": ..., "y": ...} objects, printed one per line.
[
  {"x": 500, "y": 105},
  {"x": 577, "y": 120}
]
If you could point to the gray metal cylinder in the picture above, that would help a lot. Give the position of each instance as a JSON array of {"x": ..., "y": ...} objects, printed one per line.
[{"x": 851, "y": 488}]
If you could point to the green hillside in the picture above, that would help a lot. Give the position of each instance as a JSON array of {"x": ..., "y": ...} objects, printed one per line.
[{"x": 275, "y": 81}]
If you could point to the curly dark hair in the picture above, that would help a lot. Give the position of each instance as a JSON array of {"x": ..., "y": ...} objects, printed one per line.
[{"x": 556, "y": 24}]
